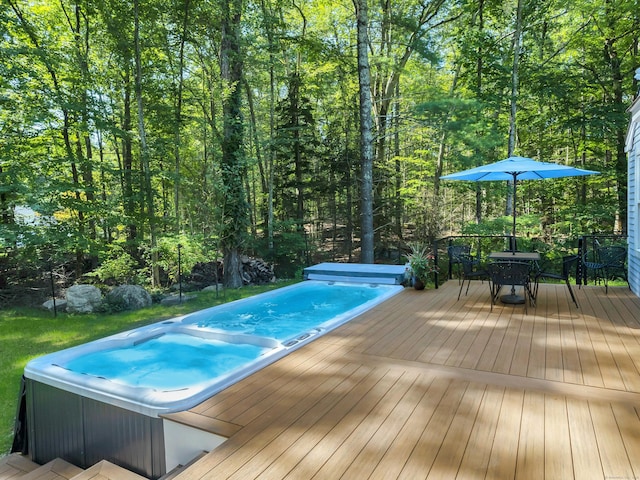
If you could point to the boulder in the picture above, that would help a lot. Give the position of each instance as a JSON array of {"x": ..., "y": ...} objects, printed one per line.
[
  {"x": 175, "y": 300},
  {"x": 213, "y": 288},
  {"x": 61, "y": 305},
  {"x": 130, "y": 297},
  {"x": 83, "y": 299}
]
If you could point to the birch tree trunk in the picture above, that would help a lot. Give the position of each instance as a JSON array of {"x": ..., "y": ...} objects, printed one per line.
[{"x": 144, "y": 152}]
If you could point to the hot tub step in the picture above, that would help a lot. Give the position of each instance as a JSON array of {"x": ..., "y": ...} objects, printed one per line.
[
  {"x": 18, "y": 467},
  {"x": 104, "y": 470},
  {"x": 15, "y": 465},
  {"x": 181, "y": 468},
  {"x": 204, "y": 423},
  {"x": 57, "y": 469}
]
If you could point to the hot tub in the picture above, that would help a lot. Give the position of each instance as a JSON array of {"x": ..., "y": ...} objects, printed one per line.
[{"x": 85, "y": 403}]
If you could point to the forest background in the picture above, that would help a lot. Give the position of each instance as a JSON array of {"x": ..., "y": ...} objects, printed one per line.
[{"x": 128, "y": 128}]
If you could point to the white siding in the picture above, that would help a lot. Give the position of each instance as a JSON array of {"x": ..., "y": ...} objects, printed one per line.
[{"x": 633, "y": 198}]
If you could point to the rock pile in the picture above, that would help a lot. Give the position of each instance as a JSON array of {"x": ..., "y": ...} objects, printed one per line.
[{"x": 255, "y": 271}]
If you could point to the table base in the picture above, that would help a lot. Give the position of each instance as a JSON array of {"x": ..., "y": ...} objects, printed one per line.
[{"x": 512, "y": 299}]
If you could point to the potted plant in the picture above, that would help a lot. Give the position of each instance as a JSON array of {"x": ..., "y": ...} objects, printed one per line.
[{"x": 421, "y": 263}]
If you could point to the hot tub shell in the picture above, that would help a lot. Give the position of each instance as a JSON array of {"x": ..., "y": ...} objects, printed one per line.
[{"x": 84, "y": 419}]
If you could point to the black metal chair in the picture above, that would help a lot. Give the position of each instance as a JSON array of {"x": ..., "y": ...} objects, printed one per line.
[
  {"x": 614, "y": 259},
  {"x": 568, "y": 263},
  {"x": 608, "y": 262},
  {"x": 455, "y": 253},
  {"x": 511, "y": 274},
  {"x": 470, "y": 271}
]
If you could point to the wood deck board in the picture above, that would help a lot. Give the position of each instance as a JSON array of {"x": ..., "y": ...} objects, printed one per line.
[
  {"x": 558, "y": 460},
  {"x": 606, "y": 361},
  {"x": 531, "y": 443},
  {"x": 425, "y": 386},
  {"x": 554, "y": 362},
  {"x": 503, "y": 456},
  {"x": 584, "y": 445},
  {"x": 428, "y": 445},
  {"x": 615, "y": 461},
  {"x": 427, "y": 398},
  {"x": 454, "y": 444},
  {"x": 353, "y": 410},
  {"x": 356, "y": 431},
  {"x": 476, "y": 457}
]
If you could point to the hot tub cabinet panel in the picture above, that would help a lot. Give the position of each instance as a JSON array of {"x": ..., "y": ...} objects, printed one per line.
[{"x": 84, "y": 431}]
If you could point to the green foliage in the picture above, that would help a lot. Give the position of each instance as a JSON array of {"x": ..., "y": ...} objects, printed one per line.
[
  {"x": 289, "y": 125},
  {"x": 421, "y": 261},
  {"x": 290, "y": 249},
  {"x": 111, "y": 305},
  {"x": 119, "y": 267},
  {"x": 192, "y": 251},
  {"x": 495, "y": 226}
]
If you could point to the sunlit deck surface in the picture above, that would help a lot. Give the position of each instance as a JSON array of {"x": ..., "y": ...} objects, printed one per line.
[{"x": 424, "y": 386}]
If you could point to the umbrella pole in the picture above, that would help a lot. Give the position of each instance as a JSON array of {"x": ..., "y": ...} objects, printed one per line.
[
  {"x": 513, "y": 298},
  {"x": 513, "y": 232}
]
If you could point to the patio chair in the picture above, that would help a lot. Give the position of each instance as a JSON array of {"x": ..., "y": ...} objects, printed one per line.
[
  {"x": 568, "y": 263},
  {"x": 614, "y": 259},
  {"x": 513, "y": 274},
  {"x": 608, "y": 262},
  {"x": 470, "y": 270},
  {"x": 455, "y": 252}
]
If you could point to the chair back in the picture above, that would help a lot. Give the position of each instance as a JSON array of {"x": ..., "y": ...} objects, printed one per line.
[
  {"x": 612, "y": 256},
  {"x": 509, "y": 273},
  {"x": 468, "y": 264},
  {"x": 455, "y": 252},
  {"x": 568, "y": 263}
]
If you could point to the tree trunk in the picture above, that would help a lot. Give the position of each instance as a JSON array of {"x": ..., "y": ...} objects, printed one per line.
[
  {"x": 397, "y": 201},
  {"x": 6, "y": 209},
  {"x": 236, "y": 208},
  {"x": 178, "y": 114},
  {"x": 514, "y": 98},
  {"x": 144, "y": 151},
  {"x": 66, "y": 132},
  {"x": 268, "y": 20},
  {"x": 479, "y": 91},
  {"x": 614, "y": 62},
  {"x": 366, "y": 135},
  {"x": 129, "y": 203},
  {"x": 443, "y": 138}
]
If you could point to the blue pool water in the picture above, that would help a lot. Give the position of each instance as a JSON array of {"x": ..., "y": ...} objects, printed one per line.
[
  {"x": 169, "y": 362},
  {"x": 175, "y": 364},
  {"x": 290, "y": 313}
]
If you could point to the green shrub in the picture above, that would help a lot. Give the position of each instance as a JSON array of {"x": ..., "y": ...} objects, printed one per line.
[{"x": 119, "y": 267}]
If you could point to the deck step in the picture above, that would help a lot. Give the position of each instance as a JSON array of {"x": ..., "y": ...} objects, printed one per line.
[
  {"x": 181, "y": 468},
  {"x": 18, "y": 467},
  {"x": 57, "y": 469},
  {"x": 105, "y": 470},
  {"x": 204, "y": 423},
  {"x": 15, "y": 465}
]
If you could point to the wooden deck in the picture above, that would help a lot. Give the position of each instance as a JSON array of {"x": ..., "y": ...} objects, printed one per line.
[{"x": 424, "y": 386}]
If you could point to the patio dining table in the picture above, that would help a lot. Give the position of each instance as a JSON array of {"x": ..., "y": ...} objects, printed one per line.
[
  {"x": 520, "y": 257},
  {"x": 515, "y": 256}
]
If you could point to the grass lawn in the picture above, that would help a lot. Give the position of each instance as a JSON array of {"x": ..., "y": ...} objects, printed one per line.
[{"x": 29, "y": 333}]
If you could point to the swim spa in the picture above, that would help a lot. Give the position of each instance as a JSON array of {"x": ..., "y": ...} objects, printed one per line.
[{"x": 113, "y": 392}]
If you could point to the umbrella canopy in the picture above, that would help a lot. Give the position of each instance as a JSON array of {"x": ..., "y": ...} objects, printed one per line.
[{"x": 517, "y": 168}]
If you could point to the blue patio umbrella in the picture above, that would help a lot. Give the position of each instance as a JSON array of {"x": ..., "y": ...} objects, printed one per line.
[{"x": 517, "y": 168}]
